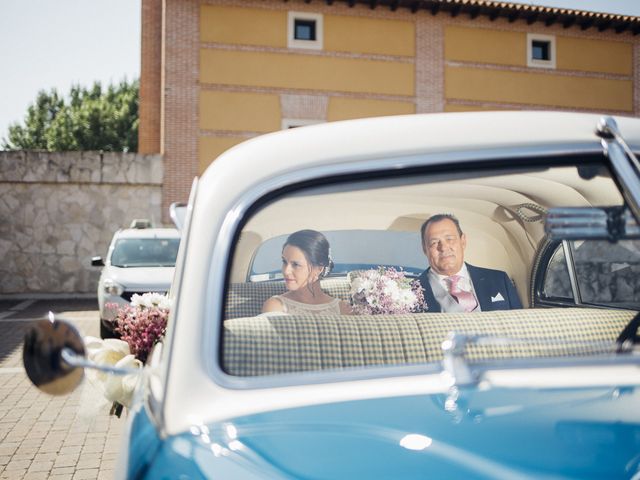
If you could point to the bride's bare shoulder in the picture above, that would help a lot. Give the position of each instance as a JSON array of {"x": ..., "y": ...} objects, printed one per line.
[{"x": 273, "y": 304}]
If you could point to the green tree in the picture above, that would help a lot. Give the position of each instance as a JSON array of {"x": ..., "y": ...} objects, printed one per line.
[{"x": 89, "y": 119}]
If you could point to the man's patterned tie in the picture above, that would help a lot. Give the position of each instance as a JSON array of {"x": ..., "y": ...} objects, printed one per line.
[{"x": 466, "y": 299}]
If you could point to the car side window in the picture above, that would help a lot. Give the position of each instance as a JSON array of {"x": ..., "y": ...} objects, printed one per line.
[
  {"x": 557, "y": 283},
  {"x": 607, "y": 273}
]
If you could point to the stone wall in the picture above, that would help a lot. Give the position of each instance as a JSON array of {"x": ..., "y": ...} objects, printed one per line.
[{"x": 57, "y": 210}]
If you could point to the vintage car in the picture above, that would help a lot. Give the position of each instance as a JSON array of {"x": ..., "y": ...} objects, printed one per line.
[{"x": 546, "y": 391}]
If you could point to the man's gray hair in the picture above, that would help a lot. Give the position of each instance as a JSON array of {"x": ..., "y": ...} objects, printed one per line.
[{"x": 438, "y": 218}]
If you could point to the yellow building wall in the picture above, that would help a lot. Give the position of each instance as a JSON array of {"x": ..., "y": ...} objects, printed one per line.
[
  {"x": 255, "y": 112},
  {"x": 456, "y": 107},
  {"x": 466, "y": 83},
  {"x": 243, "y": 26},
  {"x": 209, "y": 148},
  {"x": 369, "y": 35},
  {"x": 308, "y": 72},
  {"x": 341, "y": 108},
  {"x": 481, "y": 45},
  {"x": 594, "y": 55},
  {"x": 250, "y": 112},
  {"x": 253, "y": 26}
]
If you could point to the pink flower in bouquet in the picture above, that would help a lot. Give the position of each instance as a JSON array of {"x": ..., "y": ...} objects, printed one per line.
[
  {"x": 385, "y": 291},
  {"x": 143, "y": 323}
]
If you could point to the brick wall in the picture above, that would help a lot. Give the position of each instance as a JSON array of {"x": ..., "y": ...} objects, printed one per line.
[
  {"x": 180, "y": 107},
  {"x": 150, "y": 77}
]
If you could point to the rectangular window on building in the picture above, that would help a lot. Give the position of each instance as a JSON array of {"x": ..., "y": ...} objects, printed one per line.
[
  {"x": 541, "y": 50},
  {"x": 304, "y": 30}
]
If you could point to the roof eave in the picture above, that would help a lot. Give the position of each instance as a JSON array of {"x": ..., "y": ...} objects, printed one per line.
[{"x": 512, "y": 12}]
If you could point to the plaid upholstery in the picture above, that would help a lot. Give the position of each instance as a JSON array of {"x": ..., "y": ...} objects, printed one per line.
[
  {"x": 286, "y": 343},
  {"x": 246, "y": 299}
]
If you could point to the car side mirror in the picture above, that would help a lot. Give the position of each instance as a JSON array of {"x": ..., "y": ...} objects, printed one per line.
[
  {"x": 42, "y": 355},
  {"x": 178, "y": 213},
  {"x": 54, "y": 357},
  {"x": 97, "y": 262}
]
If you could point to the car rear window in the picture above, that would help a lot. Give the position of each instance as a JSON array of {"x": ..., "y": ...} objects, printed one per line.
[
  {"x": 376, "y": 222},
  {"x": 351, "y": 250}
]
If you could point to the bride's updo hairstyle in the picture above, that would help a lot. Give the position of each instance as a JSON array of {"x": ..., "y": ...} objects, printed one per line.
[{"x": 315, "y": 247}]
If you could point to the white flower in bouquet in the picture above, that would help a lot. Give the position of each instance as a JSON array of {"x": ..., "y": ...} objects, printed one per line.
[
  {"x": 385, "y": 291},
  {"x": 391, "y": 289},
  {"x": 151, "y": 300},
  {"x": 407, "y": 297},
  {"x": 112, "y": 352},
  {"x": 361, "y": 284}
]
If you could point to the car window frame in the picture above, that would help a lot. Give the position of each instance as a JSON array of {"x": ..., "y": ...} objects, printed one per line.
[
  {"x": 454, "y": 163},
  {"x": 539, "y": 275},
  {"x": 157, "y": 383}
]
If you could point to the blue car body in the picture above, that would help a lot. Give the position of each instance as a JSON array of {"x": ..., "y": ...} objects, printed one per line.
[{"x": 496, "y": 434}]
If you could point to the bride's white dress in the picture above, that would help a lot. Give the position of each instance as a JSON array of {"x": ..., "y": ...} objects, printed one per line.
[{"x": 298, "y": 308}]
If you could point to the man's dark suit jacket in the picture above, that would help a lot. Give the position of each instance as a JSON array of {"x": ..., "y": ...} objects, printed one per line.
[{"x": 487, "y": 284}]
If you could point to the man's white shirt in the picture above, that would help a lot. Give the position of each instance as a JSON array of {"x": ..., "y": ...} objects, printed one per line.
[{"x": 440, "y": 287}]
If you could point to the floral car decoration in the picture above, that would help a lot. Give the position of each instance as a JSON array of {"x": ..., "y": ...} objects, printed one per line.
[
  {"x": 116, "y": 353},
  {"x": 141, "y": 325}
]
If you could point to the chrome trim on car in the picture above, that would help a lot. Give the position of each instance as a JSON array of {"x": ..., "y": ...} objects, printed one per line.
[
  {"x": 623, "y": 160},
  {"x": 455, "y": 364},
  {"x": 460, "y": 372},
  {"x": 72, "y": 359},
  {"x": 571, "y": 268}
]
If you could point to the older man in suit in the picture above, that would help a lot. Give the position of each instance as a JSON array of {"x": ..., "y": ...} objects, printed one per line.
[{"x": 452, "y": 285}]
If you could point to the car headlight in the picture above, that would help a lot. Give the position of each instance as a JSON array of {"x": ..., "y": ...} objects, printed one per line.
[{"x": 112, "y": 288}]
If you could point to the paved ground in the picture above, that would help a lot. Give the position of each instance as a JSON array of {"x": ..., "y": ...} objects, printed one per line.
[{"x": 45, "y": 437}]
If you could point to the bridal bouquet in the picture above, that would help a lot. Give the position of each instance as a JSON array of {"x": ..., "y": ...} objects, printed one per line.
[
  {"x": 385, "y": 291},
  {"x": 141, "y": 324}
]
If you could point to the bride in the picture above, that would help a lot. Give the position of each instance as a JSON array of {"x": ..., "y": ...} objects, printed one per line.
[{"x": 305, "y": 260}]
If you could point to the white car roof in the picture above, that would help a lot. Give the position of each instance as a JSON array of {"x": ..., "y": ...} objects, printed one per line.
[{"x": 403, "y": 135}]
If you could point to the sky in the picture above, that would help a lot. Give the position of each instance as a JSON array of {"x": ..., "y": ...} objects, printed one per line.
[{"x": 46, "y": 44}]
